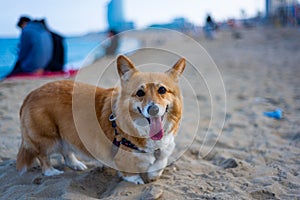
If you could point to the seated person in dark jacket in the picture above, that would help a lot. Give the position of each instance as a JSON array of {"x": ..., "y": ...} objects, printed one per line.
[
  {"x": 58, "y": 56},
  {"x": 35, "y": 48}
]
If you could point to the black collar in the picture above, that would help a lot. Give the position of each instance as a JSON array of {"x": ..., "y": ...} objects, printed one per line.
[{"x": 121, "y": 140}]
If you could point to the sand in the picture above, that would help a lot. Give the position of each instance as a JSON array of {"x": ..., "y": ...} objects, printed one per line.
[{"x": 226, "y": 147}]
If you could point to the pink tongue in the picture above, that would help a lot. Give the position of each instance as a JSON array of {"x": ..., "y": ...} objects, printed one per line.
[{"x": 156, "y": 129}]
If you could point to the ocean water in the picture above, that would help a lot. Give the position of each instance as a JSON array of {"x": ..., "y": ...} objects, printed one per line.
[
  {"x": 80, "y": 51},
  {"x": 8, "y": 55}
]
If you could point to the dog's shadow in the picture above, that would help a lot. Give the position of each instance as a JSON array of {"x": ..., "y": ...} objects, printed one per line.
[{"x": 96, "y": 182}]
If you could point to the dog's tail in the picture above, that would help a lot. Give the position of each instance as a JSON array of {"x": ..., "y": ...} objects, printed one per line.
[{"x": 25, "y": 158}]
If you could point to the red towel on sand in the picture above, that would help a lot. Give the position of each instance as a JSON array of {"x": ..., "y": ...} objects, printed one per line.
[{"x": 45, "y": 74}]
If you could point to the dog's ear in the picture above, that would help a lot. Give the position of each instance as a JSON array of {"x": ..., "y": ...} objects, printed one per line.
[
  {"x": 125, "y": 67},
  {"x": 177, "y": 69}
]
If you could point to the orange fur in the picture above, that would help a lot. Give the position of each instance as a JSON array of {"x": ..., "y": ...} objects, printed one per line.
[{"x": 48, "y": 123}]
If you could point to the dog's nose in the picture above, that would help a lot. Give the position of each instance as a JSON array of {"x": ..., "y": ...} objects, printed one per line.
[{"x": 153, "y": 110}]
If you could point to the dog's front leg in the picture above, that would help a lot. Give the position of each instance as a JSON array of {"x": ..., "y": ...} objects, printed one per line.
[
  {"x": 156, "y": 170},
  {"x": 132, "y": 164}
]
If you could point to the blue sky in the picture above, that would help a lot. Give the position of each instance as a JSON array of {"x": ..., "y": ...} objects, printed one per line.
[{"x": 71, "y": 17}]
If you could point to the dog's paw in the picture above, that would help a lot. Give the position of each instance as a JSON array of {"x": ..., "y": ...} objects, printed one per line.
[
  {"x": 77, "y": 165},
  {"x": 153, "y": 176},
  {"x": 52, "y": 172},
  {"x": 136, "y": 179}
]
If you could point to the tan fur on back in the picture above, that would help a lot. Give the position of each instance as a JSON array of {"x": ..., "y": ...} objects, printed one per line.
[{"x": 46, "y": 116}]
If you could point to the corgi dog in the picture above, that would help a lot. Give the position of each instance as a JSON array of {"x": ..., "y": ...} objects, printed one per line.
[{"x": 138, "y": 122}]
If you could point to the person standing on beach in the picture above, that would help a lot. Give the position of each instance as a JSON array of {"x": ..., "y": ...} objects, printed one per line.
[
  {"x": 35, "y": 48},
  {"x": 210, "y": 27},
  {"x": 111, "y": 49}
]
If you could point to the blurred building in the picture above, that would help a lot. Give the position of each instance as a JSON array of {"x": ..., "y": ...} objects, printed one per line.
[
  {"x": 115, "y": 16},
  {"x": 283, "y": 12}
]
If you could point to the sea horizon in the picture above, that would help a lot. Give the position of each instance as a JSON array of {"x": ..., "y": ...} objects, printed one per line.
[{"x": 80, "y": 51}]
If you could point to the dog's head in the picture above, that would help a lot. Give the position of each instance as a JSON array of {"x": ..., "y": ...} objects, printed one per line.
[{"x": 149, "y": 104}]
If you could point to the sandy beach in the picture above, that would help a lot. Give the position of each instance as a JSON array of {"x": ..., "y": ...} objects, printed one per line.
[{"x": 226, "y": 147}]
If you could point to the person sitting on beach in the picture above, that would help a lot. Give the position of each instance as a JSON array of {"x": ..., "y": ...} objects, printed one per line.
[
  {"x": 58, "y": 56},
  {"x": 35, "y": 48}
]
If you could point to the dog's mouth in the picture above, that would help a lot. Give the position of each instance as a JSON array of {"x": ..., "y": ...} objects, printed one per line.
[{"x": 156, "y": 126}]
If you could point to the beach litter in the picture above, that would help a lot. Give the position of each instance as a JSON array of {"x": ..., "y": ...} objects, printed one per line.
[{"x": 276, "y": 114}]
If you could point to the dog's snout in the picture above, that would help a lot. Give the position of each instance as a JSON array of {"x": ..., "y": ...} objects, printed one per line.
[{"x": 153, "y": 110}]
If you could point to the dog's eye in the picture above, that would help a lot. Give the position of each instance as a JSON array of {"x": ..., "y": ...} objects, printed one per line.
[
  {"x": 140, "y": 93},
  {"x": 162, "y": 90}
]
